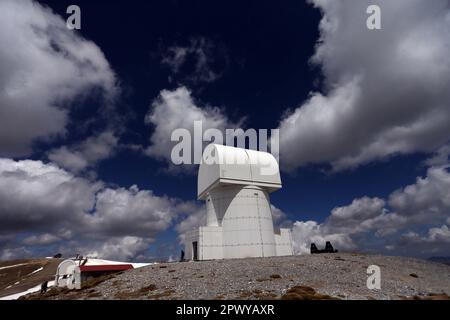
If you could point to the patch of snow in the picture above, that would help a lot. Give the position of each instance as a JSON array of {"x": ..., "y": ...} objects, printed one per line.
[
  {"x": 17, "y": 282},
  {"x": 37, "y": 270},
  {"x": 13, "y": 266},
  {"x": 97, "y": 262},
  {"x": 31, "y": 290},
  {"x": 140, "y": 265}
]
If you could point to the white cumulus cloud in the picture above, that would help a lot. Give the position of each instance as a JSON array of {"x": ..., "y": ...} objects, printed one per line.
[
  {"x": 413, "y": 217},
  {"x": 44, "y": 67},
  {"x": 385, "y": 91},
  {"x": 86, "y": 154},
  {"x": 56, "y": 207},
  {"x": 177, "y": 110}
]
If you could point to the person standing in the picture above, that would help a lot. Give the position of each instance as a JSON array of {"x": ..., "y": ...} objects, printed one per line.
[{"x": 44, "y": 287}]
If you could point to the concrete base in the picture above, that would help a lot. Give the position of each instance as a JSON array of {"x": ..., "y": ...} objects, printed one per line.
[
  {"x": 239, "y": 225},
  {"x": 208, "y": 244}
]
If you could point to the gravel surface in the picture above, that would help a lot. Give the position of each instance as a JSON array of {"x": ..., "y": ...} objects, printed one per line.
[{"x": 340, "y": 275}]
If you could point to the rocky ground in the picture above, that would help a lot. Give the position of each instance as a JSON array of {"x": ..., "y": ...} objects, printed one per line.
[{"x": 323, "y": 276}]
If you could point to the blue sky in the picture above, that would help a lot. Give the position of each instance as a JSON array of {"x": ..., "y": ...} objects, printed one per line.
[{"x": 86, "y": 117}]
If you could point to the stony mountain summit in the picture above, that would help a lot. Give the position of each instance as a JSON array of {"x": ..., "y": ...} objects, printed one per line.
[{"x": 323, "y": 276}]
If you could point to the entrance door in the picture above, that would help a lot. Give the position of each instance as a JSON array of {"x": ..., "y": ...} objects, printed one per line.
[{"x": 195, "y": 250}]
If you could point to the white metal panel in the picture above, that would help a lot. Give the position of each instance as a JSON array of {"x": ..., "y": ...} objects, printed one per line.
[
  {"x": 212, "y": 218},
  {"x": 284, "y": 243},
  {"x": 247, "y": 222},
  {"x": 210, "y": 244},
  {"x": 264, "y": 167},
  {"x": 208, "y": 175},
  {"x": 229, "y": 165}
]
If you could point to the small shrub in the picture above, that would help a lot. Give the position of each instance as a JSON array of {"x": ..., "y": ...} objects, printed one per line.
[
  {"x": 94, "y": 294},
  {"x": 95, "y": 281},
  {"x": 135, "y": 294},
  {"x": 162, "y": 294},
  {"x": 305, "y": 293},
  {"x": 431, "y": 296},
  {"x": 245, "y": 294}
]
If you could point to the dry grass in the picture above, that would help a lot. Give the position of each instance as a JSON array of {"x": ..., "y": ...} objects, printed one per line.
[
  {"x": 431, "y": 296},
  {"x": 245, "y": 294},
  {"x": 94, "y": 294},
  {"x": 271, "y": 277},
  {"x": 163, "y": 294},
  {"x": 266, "y": 296},
  {"x": 96, "y": 281},
  {"x": 257, "y": 294},
  {"x": 262, "y": 295},
  {"x": 87, "y": 289},
  {"x": 53, "y": 292},
  {"x": 144, "y": 291},
  {"x": 305, "y": 293}
]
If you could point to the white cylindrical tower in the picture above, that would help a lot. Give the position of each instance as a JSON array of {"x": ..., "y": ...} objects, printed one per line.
[{"x": 245, "y": 216}]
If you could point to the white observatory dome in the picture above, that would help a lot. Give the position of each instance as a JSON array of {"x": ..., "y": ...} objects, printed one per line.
[{"x": 229, "y": 165}]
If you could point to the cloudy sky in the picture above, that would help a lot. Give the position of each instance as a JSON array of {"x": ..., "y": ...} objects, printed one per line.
[{"x": 86, "y": 117}]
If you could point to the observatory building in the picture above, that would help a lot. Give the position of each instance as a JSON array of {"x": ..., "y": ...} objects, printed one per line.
[
  {"x": 236, "y": 183},
  {"x": 72, "y": 273}
]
